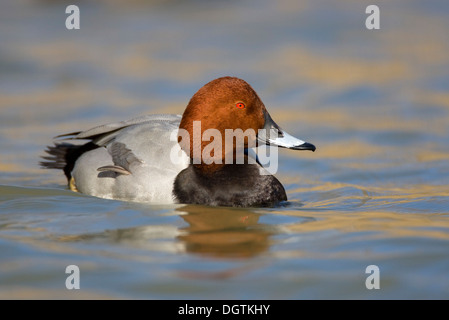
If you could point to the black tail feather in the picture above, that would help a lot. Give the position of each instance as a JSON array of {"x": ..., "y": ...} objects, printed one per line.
[{"x": 64, "y": 155}]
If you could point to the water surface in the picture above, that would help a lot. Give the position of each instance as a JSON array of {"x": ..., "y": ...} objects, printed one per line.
[{"x": 375, "y": 103}]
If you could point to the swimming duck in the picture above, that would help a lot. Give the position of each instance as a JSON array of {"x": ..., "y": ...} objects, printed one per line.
[{"x": 169, "y": 159}]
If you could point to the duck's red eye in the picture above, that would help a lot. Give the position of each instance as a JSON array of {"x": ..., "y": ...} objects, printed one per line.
[{"x": 240, "y": 105}]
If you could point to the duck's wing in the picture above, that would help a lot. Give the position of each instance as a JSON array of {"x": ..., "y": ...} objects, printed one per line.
[
  {"x": 64, "y": 155},
  {"x": 134, "y": 160},
  {"x": 123, "y": 159},
  {"x": 102, "y": 135}
]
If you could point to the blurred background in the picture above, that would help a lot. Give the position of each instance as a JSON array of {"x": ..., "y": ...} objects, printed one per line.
[{"x": 374, "y": 102}]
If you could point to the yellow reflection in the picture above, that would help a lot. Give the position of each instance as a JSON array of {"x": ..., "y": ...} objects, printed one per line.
[
  {"x": 405, "y": 192},
  {"x": 8, "y": 167},
  {"x": 380, "y": 224},
  {"x": 301, "y": 64},
  {"x": 380, "y": 119},
  {"x": 440, "y": 99},
  {"x": 23, "y": 292}
]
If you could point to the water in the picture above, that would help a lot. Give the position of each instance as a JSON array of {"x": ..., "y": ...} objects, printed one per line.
[{"x": 375, "y": 103}]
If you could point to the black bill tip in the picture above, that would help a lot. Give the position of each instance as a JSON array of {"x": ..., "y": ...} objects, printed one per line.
[{"x": 304, "y": 146}]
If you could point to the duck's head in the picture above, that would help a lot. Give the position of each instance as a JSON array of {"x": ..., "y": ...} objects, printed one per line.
[{"x": 226, "y": 105}]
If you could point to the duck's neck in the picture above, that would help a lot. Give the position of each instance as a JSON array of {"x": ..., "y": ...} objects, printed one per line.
[
  {"x": 209, "y": 169},
  {"x": 236, "y": 185}
]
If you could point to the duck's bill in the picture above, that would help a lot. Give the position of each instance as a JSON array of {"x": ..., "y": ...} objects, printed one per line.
[{"x": 272, "y": 134}]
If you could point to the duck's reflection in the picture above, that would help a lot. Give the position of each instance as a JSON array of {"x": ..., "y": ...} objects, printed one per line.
[
  {"x": 210, "y": 231},
  {"x": 223, "y": 232}
]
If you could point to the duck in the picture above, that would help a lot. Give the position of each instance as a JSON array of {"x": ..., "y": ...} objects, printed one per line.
[{"x": 185, "y": 159}]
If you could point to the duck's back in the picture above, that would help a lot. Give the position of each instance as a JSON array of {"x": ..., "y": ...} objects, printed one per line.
[{"x": 132, "y": 160}]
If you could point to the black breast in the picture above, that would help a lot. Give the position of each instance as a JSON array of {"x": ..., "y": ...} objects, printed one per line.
[{"x": 235, "y": 185}]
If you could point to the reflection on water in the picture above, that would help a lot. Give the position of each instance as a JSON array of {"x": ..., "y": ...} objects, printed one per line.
[
  {"x": 210, "y": 232},
  {"x": 375, "y": 103},
  {"x": 223, "y": 233}
]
